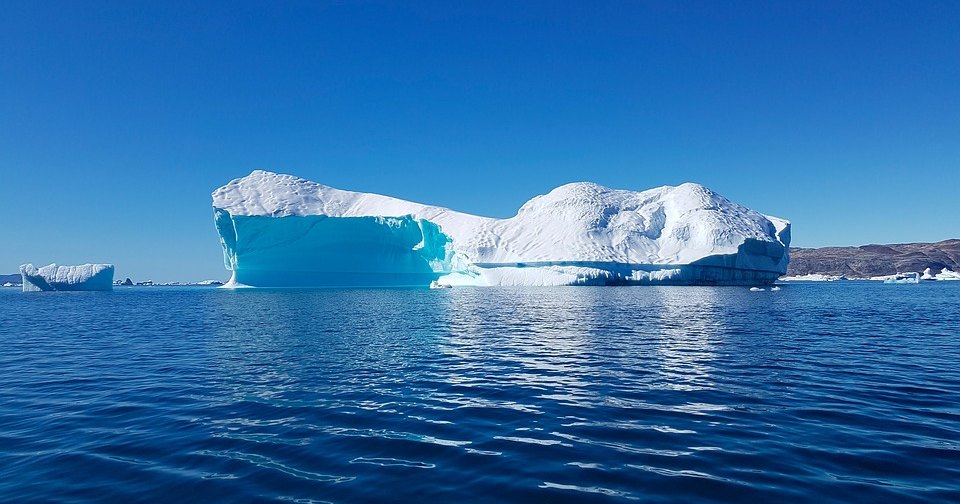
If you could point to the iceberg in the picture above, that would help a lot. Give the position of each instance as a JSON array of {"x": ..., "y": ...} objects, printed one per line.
[
  {"x": 283, "y": 231},
  {"x": 899, "y": 278},
  {"x": 813, "y": 277},
  {"x": 946, "y": 274},
  {"x": 85, "y": 277}
]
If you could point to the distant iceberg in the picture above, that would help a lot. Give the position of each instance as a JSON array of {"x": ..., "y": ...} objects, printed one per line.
[
  {"x": 813, "y": 277},
  {"x": 945, "y": 274},
  {"x": 283, "y": 231},
  {"x": 899, "y": 278},
  {"x": 85, "y": 277}
]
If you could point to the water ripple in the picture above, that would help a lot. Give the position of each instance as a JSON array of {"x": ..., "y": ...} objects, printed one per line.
[
  {"x": 843, "y": 392},
  {"x": 268, "y": 463}
]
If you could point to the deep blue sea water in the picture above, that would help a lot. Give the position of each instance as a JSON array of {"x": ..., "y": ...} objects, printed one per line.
[{"x": 844, "y": 392}]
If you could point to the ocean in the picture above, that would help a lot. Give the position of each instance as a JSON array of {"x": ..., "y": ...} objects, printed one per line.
[{"x": 844, "y": 392}]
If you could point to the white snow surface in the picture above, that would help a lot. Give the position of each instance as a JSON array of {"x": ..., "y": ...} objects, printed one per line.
[
  {"x": 54, "y": 277},
  {"x": 575, "y": 222}
]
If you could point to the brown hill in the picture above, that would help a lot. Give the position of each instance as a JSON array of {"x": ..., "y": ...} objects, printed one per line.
[{"x": 875, "y": 260}]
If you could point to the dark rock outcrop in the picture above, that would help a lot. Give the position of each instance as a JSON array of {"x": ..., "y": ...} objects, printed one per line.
[{"x": 875, "y": 260}]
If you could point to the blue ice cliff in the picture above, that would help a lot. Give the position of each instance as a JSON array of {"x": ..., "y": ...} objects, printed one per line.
[
  {"x": 84, "y": 277},
  {"x": 283, "y": 231}
]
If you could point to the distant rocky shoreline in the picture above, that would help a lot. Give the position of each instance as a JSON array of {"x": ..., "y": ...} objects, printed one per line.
[{"x": 875, "y": 260}]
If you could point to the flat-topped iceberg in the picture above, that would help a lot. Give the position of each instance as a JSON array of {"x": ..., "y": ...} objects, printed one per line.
[
  {"x": 283, "y": 231},
  {"x": 84, "y": 277}
]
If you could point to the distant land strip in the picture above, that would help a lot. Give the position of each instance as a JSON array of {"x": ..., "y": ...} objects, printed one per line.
[{"x": 875, "y": 260}]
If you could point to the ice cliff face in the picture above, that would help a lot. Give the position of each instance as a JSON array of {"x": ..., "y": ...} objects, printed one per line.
[
  {"x": 85, "y": 277},
  {"x": 281, "y": 230}
]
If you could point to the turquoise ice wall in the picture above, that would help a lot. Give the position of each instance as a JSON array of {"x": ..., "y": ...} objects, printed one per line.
[{"x": 314, "y": 251}]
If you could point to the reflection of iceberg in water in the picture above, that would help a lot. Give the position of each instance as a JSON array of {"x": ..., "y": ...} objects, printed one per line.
[
  {"x": 603, "y": 368},
  {"x": 417, "y": 377},
  {"x": 552, "y": 340},
  {"x": 298, "y": 366},
  {"x": 535, "y": 339},
  {"x": 686, "y": 343}
]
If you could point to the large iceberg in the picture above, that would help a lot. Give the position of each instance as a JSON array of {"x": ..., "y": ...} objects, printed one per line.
[
  {"x": 85, "y": 277},
  {"x": 283, "y": 231}
]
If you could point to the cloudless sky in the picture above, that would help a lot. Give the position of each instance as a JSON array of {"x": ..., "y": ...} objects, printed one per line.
[{"x": 117, "y": 119}]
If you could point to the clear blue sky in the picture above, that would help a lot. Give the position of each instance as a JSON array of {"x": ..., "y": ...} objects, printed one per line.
[{"x": 117, "y": 119}]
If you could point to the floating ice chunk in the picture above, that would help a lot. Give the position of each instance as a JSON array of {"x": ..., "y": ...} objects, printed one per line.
[
  {"x": 813, "y": 277},
  {"x": 85, "y": 277},
  {"x": 899, "y": 278},
  {"x": 756, "y": 289}
]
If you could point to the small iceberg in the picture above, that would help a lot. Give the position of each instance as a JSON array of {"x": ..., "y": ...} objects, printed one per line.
[
  {"x": 437, "y": 285},
  {"x": 84, "y": 277},
  {"x": 903, "y": 278},
  {"x": 775, "y": 288},
  {"x": 813, "y": 277},
  {"x": 756, "y": 289}
]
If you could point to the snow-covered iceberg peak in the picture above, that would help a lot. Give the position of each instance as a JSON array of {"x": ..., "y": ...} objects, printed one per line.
[
  {"x": 84, "y": 277},
  {"x": 281, "y": 230}
]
